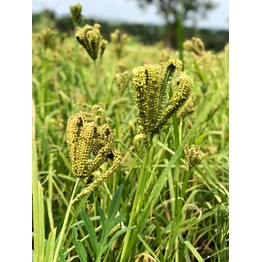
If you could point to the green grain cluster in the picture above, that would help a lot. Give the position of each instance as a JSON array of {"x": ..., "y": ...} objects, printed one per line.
[
  {"x": 92, "y": 41},
  {"x": 152, "y": 85},
  {"x": 84, "y": 138}
]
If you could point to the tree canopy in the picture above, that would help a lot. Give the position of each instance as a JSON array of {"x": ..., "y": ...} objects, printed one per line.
[{"x": 175, "y": 12}]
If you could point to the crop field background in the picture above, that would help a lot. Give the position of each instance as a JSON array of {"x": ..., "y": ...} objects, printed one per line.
[
  {"x": 159, "y": 194},
  {"x": 168, "y": 197},
  {"x": 154, "y": 206},
  {"x": 163, "y": 201},
  {"x": 157, "y": 205}
]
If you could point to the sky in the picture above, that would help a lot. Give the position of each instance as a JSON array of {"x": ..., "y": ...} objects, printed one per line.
[{"x": 129, "y": 11}]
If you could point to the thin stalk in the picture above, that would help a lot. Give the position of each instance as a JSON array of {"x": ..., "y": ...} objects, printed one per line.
[
  {"x": 50, "y": 191},
  {"x": 78, "y": 67},
  {"x": 184, "y": 187},
  {"x": 176, "y": 138},
  {"x": 176, "y": 146},
  {"x": 43, "y": 87},
  {"x": 171, "y": 192},
  {"x": 139, "y": 198},
  {"x": 61, "y": 235},
  {"x": 177, "y": 249},
  {"x": 38, "y": 200},
  {"x": 178, "y": 219},
  {"x": 180, "y": 36}
]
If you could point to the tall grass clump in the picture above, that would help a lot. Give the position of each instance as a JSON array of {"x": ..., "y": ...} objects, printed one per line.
[{"x": 130, "y": 149}]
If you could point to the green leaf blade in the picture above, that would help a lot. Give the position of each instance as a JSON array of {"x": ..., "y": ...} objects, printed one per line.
[
  {"x": 91, "y": 230},
  {"x": 194, "y": 251},
  {"x": 115, "y": 203},
  {"x": 50, "y": 248}
]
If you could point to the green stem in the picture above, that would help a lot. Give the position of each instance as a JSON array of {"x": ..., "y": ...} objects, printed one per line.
[
  {"x": 180, "y": 36},
  {"x": 79, "y": 68},
  {"x": 50, "y": 191},
  {"x": 179, "y": 209},
  {"x": 43, "y": 87},
  {"x": 177, "y": 250},
  {"x": 64, "y": 223},
  {"x": 177, "y": 221},
  {"x": 176, "y": 146},
  {"x": 138, "y": 201},
  {"x": 185, "y": 183}
]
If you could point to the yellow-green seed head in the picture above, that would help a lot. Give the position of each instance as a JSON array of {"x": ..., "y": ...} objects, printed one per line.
[
  {"x": 132, "y": 128},
  {"x": 124, "y": 39},
  {"x": 186, "y": 110},
  {"x": 46, "y": 38},
  {"x": 168, "y": 70},
  {"x": 76, "y": 13},
  {"x": 195, "y": 45},
  {"x": 99, "y": 114},
  {"x": 165, "y": 55},
  {"x": 181, "y": 94},
  {"x": 198, "y": 46},
  {"x": 121, "y": 80},
  {"x": 187, "y": 45},
  {"x": 119, "y": 41},
  {"x": 99, "y": 176},
  {"x": 114, "y": 37},
  {"x": 140, "y": 142},
  {"x": 193, "y": 155},
  {"x": 184, "y": 87},
  {"x": 91, "y": 39},
  {"x": 173, "y": 64},
  {"x": 151, "y": 85},
  {"x": 147, "y": 83},
  {"x": 79, "y": 135},
  {"x": 90, "y": 145},
  {"x": 103, "y": 47}
]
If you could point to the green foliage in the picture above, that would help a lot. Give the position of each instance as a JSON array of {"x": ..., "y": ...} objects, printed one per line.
[
  {"x": 43, "y": 252},
  {"x": 163, "y": 210},
  {"x": 108, "y": 235}
]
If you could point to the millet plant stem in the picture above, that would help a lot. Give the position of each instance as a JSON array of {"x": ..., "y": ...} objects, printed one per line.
[
  {"x": 139, "y": 196},
  {"x": 59, "y": 243},
  {"x": 173, "y": 240},
  {"x": 50, "y": 191},
  {"x": 176, "y": 146},
  {"x": 76, "y": 57},
  {"x": 180, "y": 36},
  {"x": 43, "y": 86}
]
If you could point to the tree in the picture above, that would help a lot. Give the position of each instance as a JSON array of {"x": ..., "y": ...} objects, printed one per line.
[{"x": 175, "y": 12}]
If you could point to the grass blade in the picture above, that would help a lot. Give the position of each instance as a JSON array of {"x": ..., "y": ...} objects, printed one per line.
[
  {"x": 80, "y": 251},
  {"x": 194, "y": 251},
  {"x": 38, "y": 203},
  {"x": 115, "y": 203},
  {"x": 50, "y": 246},
  {"x": 148, "y": 248},
  {"x": 105, "y": 226},
  {"x": 79, "y": 247},
  {"x": 91, "y": 231},
  {"x": 62, "y": 232},
  {"x": 39, "y": 223}
]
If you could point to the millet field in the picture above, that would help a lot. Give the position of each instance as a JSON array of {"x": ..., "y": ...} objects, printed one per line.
[{"x": 130, "y": 149}]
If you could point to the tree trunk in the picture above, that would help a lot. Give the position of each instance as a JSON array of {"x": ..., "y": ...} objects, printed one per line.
[{"x": 175, "y": 38}]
